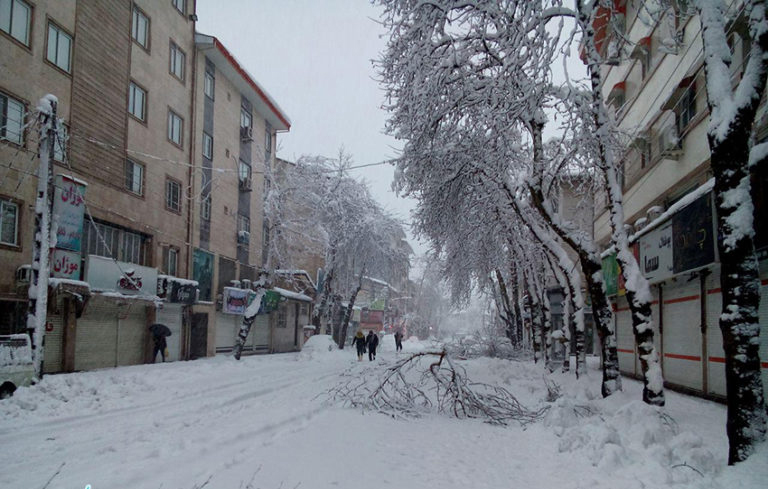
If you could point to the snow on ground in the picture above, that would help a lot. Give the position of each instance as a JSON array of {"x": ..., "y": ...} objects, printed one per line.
[{"x": 264, "y": 421}]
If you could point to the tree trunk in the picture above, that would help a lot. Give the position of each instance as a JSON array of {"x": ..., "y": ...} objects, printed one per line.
[
  {"x": 638, "y": 291},
  {"x": 731, "y": 119},
  {"x": 349, "y": 311},
  {"x": 514, "y": 274},
  {"x": 320, "y": 310},
  {"x": 508, "y": 318},
  {"x": 740, "y": 284}
]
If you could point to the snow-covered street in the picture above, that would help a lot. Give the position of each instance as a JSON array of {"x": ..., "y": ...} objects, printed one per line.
[{"x": 263, "y": 422}]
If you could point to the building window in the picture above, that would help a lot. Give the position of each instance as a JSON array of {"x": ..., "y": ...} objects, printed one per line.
[
  {"x": 246, "y": 121},
  {"x": 207, "y": 146},
  {"x": 137, "y": 102},
  {"x": 140, "y": 28},
  {"x": 268, "y": 143},
  {"x": 209, "y": 85},
  {"x": 100, "y": 239},
  {"x": 175, "y": 128},
  {"x": 173, "y": 195},
  {"x": 243, "y": 223},
  {"x": 11, "y": 119},
  {"x": 15, "y": 18},
  {"x": 245, "y": 171},
  {"x": 134, "y": 177},
  {"x": 205, "y": 208},
  {"x": 132, "y": 250},
  {"x": 177, "y": 61},
  {"x": 59, "y": 50},
  {"x": 179, "y": 5},
  {"x": 170, "y": 260},
  {"x": 9, "y": 223},
  {"x": 282, "y": 316},
  {"x": 243, "y": 229},
  {"x": 686, "y": 109}
]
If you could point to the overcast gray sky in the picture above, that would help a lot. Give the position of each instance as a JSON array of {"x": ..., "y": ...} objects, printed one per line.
[{"x": 314, "y": 58}]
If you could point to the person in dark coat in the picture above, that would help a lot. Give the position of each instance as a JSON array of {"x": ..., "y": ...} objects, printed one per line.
[
  {"x": 359, "y": 342},
  {"x": 371, "y": 342},
  {"x": 398, "y": 340},
  {"x": 160, "y": 346}
]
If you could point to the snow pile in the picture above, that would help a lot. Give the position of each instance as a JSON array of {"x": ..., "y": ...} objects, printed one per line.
[
  {"x": 319, "y": 346},
  {"x": 631, "y": 438}
]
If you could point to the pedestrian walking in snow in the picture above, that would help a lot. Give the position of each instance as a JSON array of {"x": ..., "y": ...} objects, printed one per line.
[
  {"x": 371, "y": 342},
  {"x": 359, "y": 342},
  {"x": 398, "y": 340}
]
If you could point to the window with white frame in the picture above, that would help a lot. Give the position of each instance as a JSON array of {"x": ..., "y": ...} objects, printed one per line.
[
  {"x": 207, "y": 146},
  {"x": 140, "y": 28},
  {"x": 137, "y": 102},
  {"x": 175, "y": 128},
  {"x": 132, "y": 249},
  {"x": 173, "y": 195},
  {"x": 209, "y": 85},
  {"x": 59, "y": 50},
  {"x": 15, "y": 19},
  {"x": 9, "y": 223},
  {"x": 243, "y": 223},
  {"x": 11, "y": 119},
  {"x": 177, "y": 61},
  {"x": 134, "y": 177},
  {"x": 205, "y": 208},
  {"x": 100, "y": 239},
  {"x": 686, "y": 109},
  {"x": 245, "y": 171},
  {"x": 179, "y": 5},
  {"x": 282, "y": 316},
  {"x": 246, "y": 120},
  {"x": 170, "y": 260}
]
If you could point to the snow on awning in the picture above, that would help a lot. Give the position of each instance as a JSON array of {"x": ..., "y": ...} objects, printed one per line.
[
  {"x": 288, "y": 294},
  {"x": 642, "y": 48},
  {"x": 685, "y": 84}
]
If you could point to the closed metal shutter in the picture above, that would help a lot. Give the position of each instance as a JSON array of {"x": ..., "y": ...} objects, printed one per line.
[
  {"x": 54, "y": 344},
  {"x": 225, "y": 332},
  {"x": 715, "y": 352},
  {"x": 261, "y": 333},
  {"x": 133, "y": 334},
  {"x": 96, "y": 336},
  {"x": 171, "y": 316},
  {"x": 625, "y": 338},
  {"x": 682, "y": 335}
]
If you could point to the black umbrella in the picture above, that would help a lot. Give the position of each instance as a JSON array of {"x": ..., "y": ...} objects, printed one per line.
[{"x": 160, "y": 330}]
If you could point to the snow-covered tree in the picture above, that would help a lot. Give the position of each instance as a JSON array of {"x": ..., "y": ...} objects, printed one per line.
[{"x": 732, "y": 109}]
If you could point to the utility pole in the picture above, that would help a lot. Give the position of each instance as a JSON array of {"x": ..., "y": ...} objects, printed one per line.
[{"x": 44, "y": 232}]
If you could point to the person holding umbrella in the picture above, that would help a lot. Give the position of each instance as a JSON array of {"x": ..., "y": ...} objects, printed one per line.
[{"x": 159, "y": 332}]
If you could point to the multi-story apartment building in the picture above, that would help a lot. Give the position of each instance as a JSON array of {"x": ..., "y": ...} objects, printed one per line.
[
  {"x": 654, "y": 82},
  {"x": 165, "y": 136},
  {"x": 235, "y": 132}
]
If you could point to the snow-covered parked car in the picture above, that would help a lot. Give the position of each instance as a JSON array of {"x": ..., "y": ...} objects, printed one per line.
[{"x": 16, "y": 367}]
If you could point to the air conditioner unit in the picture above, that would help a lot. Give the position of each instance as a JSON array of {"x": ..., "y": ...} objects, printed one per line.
[
  {"x": 243, "y": 237},
  {"x": 670, "y": 145},
  {"x": 246, "y": 133},
  {"x": 246, "y": 184},
  {"x": 23, "y": 275}
]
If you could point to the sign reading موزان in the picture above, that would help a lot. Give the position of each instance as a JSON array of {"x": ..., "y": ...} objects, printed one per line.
[{"x": 68, "y": 211}]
